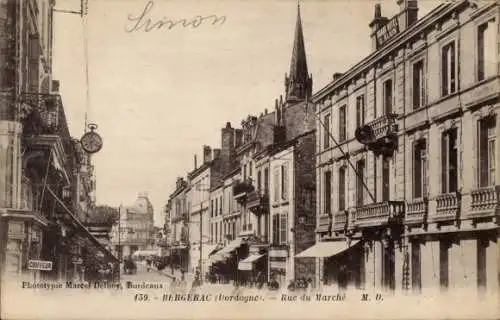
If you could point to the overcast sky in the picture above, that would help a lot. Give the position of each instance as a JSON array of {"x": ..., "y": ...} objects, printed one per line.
[{"x": 158, "y": 96}]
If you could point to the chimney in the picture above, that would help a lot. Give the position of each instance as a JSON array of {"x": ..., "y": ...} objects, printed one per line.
[
  {"x": 377, "y": 22},
  {"x": 238, "y": 137},
  {"x": 227, "y": 151},
  {"x": 217, "y": 153},
  {"x": 337, "y": 76},
  {"x": 265, "y": 111},
  {"x": 409, "y": 13},
  {"x": 195, "y": 163},
  {"x": 207, "y": 154}
]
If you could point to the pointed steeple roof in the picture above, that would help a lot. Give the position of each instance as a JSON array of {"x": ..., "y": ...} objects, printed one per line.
[{"x": 298, "y": 83}]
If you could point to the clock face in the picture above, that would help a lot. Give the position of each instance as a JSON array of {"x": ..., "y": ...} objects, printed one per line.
[{"x": 91, "y": 142}]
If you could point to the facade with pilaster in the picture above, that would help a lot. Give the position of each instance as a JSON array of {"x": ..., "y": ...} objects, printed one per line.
[
  {"x": 407, "y": 179},
  {"x": 46, "y": 179}
]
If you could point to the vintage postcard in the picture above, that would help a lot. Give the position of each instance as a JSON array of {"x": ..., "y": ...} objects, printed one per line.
[{"x": 249, "y": 159}]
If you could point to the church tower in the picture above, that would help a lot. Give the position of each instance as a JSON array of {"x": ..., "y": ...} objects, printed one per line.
[{"x": 298, "y": 83}]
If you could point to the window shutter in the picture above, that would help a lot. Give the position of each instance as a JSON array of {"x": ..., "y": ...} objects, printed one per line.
[
  {"x": 285, "y": 181},
  {"x": 417, "y": 171},
  {"x": 276, "y": 184},
  {"x": 444, "y": 71}
]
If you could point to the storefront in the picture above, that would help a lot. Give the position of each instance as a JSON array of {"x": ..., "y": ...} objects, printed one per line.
[
  {"x": 343, "y": 262},
  {"x": 253, "y": 269}
]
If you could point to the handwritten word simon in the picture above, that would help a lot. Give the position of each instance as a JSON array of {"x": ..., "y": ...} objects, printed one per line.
[{"x": 145, "y": 23}]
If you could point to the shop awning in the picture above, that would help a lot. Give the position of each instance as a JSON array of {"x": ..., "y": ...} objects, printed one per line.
[
  {"x": 146, "y": 253},
  {"x": 326, "y": 249},
  {"x": 207, "y": 250},
  {"x": 99, "y": 246},
  {"x": 248, "y": 263},
  {"x": 233, "y": 245}
]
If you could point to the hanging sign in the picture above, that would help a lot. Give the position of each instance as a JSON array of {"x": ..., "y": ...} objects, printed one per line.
[{"x": 40, "y": 265}]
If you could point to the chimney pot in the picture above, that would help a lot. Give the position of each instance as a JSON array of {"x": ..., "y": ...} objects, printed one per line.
[{"x": 265, "y": 111}]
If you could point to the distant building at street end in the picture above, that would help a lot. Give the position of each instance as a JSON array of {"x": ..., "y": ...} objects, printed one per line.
[{"x": 135, "y": 228}]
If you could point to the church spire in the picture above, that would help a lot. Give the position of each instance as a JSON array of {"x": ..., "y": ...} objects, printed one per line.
[{"x": 298, "y": 84}]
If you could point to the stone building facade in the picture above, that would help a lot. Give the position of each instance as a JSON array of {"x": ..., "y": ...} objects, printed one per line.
[
  {"x": 407, "y": 186},
  {"x": 46, "y": 179}
]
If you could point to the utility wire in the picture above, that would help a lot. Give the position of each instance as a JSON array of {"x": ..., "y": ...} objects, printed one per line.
[
  {"x": 341, "y": 150},
  {"x": 86, "y": 57}
]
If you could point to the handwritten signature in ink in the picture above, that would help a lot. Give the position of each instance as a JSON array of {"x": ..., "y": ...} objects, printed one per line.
[{"x": 142, "y": 21}]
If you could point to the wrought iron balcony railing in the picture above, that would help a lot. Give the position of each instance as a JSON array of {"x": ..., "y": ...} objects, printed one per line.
[
  {"x": 447, "y": 206},
  {"x": 258, "y": 203},
  {"x": 379, "y": 135},
  {"x": 380, "y": 213},
  {"x": 242, "y": 188},
  {"x": 417, "y": 211},
  {"x": 485, "y": 202},
  {"x": 43, "y": 114}
]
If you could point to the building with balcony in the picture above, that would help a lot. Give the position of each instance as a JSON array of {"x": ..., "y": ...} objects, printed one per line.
[
  {"x": 135, "y": 228},
  {"x": 407, "y": 191},
  {"x": 46, "y": 179}
]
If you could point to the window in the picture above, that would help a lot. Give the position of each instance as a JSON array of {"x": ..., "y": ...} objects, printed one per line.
[
  {"x": 259, "y": 181},
  {"x": 360, "y": 111},
  {"x": 444, "y": 248},
  {"x": 212, "y": 208},
  {"x": 419, "y": 169},
  {"x": 245, "y": 172},
  {"x": 387, "y": 93},
  {"x": 342, "y": 189},
  {"x": 486, "y": 151},
  {"x": 220, "y": 205},
  {"x": 342, "y": 123},
  {"x": 486, "y": 45},
  {"x": 250, "y": 170},
  {"x": 448, "y": 69},
  {"x": 211, "y": 232},
  {"x": 283, "y": 228},
  {"x": 216, "y": 233},
  {"x": 386, "y": 178},
  {"x": 360, "y": 170},
  {"x": 266, "y": 181},
  {"x": 328, "y": 192},
  {"x": 216, "y": 206},
  {"x": 449, "y": 161},
  {"x": 276, "y": 184},
  {"x": 284, "y": 181},
  {"x": 418, "y": 84},
  {"x": 275, "y": 227},
  {"x": 326, "y": 132},
  {"x": 416, "y": 276}
]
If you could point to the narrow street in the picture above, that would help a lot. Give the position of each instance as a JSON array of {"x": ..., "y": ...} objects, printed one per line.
[{"x": 143, "y": 275}]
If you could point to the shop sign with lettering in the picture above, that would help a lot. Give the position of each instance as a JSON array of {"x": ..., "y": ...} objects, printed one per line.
[
  {"x": 40, "y": 265},
  {"x": 386, "y": 32}
]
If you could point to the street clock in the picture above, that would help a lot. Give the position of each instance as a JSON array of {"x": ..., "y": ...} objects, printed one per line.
[{"x": 91, "y": 141}]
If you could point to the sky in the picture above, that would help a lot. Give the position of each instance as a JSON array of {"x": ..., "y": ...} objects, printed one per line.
[{"x": 159, "y": 96}]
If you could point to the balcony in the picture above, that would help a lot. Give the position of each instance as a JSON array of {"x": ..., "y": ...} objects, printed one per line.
[
  {"x": 417, "y": 211},
  {"x": 485, "y": 202},
  {"x": 378, "y": 214},
  {"x": 379, "y": 135},
  {"x": 340, "y": 220},
  {"x": 324, "y": 224},
  {"x": 258, "y": 203},
  {"x": 241, "y": 189},
  {"x": 447, "y": 207},
  {"x": 43, "y": 114}
]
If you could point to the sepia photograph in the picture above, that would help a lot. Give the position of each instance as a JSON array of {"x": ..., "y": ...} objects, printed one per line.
[{"x": 249, "y": 159}]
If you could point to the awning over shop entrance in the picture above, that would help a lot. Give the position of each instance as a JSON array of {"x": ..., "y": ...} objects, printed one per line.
[
  {"x": 225, "y": 252},
  {"x": 248, "y": 263},
  {"x": 326, "y": 249},
  {"x": 207, "y": 250}
]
